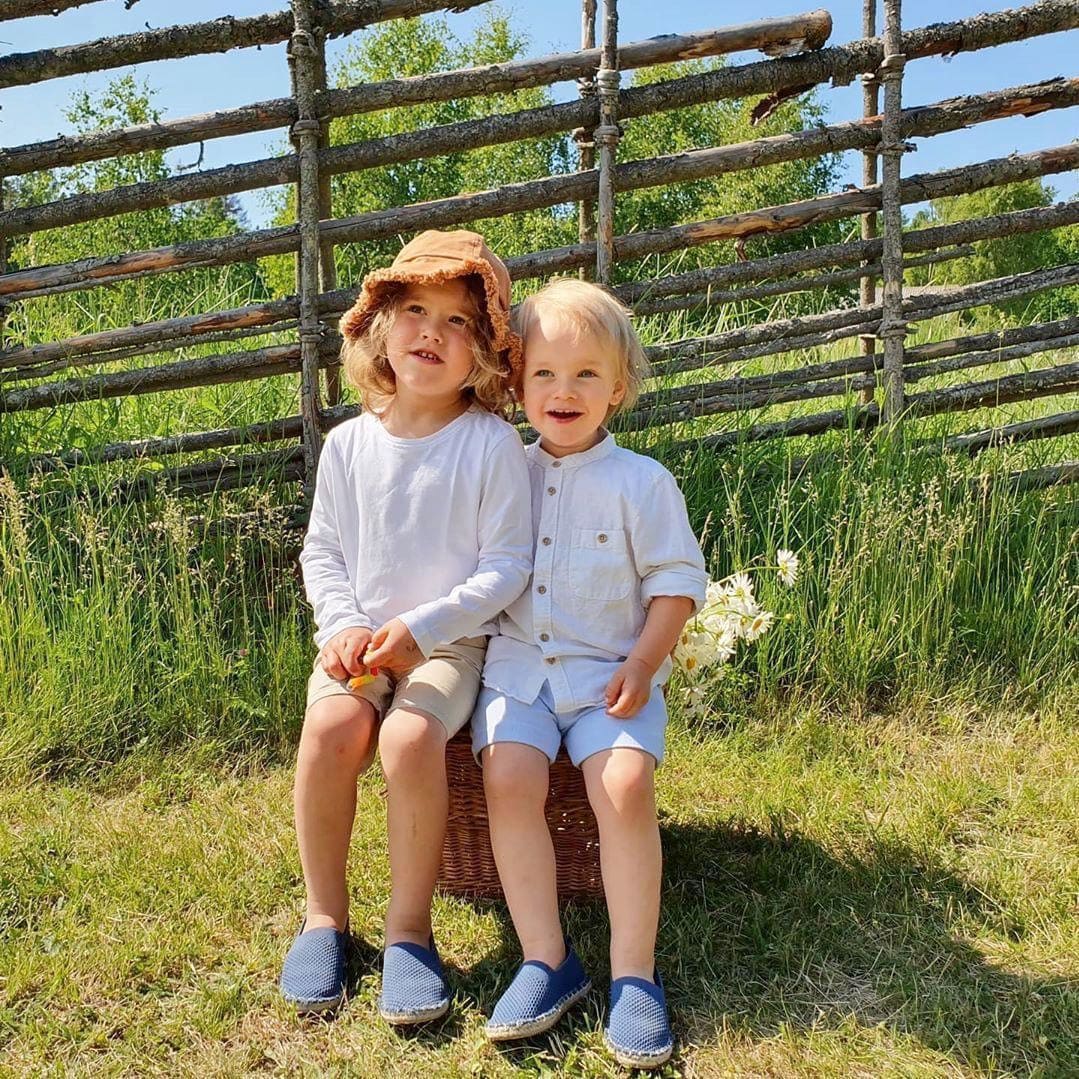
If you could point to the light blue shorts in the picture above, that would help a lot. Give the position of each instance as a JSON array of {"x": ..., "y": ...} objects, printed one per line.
[{"x": 499, "y": 718}]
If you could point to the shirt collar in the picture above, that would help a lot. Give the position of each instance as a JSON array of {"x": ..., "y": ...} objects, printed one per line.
[{"x": 575, "y": 460}]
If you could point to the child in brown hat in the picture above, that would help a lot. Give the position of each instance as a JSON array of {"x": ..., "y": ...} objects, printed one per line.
[{"x": 420, "y": 535}]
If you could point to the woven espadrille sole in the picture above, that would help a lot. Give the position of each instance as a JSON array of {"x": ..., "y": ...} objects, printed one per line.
[
  {"x": 423, "y": 1015},
  {"x": 541, "y": 1023},
  {"x": 629, "y": 1059},
  {"x": 316, "y": 1007}
]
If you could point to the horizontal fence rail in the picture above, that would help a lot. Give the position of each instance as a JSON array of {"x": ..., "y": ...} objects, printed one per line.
[
  {"x": 196, "y": 329},
  {"x": 838, "y": 64},
  {"x": 399, "y": 93},
  {"x": 23, "y": 9}
]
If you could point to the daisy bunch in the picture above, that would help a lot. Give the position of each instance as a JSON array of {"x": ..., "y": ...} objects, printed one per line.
[{"x": 731, "y": 613}]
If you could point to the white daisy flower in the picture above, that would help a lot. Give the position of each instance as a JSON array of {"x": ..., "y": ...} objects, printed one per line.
[
  {"x": 758, "y": 625},
  {"x": 788, "y": 566},
  {"x": 692, "y": 652},
  {"x": 713, "y": 594},
  {"x": 741, "y": 600},
  {"x": 740, "y": 587}
]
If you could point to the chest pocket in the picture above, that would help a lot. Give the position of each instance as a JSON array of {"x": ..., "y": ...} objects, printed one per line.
[{"x": 600, "y": 566}]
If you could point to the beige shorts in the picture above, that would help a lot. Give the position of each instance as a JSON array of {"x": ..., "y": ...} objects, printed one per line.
[{"x": 443, "y": 686}]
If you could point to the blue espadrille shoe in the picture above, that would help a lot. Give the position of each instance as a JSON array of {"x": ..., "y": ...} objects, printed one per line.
[
  {"x": 537, "y": 998},
  {"x": 413, "y": 988},
  {"x": 638, "y": 1032},
  {"x": 313, "y": 977}
]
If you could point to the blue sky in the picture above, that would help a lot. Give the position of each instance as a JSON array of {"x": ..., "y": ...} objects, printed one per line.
[{"x": 199, "y": 84}]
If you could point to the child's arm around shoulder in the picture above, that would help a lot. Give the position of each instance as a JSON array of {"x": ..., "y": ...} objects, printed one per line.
[
  {"x": 504, "y": 557},
  {"x": 673, "y": 582}
]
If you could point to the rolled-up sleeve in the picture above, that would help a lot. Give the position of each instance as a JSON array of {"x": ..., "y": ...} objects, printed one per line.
[{"x": 667, "y": 554}]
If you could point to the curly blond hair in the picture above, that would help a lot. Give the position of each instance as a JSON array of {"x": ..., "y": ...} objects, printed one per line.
[
  {"x": 589, "y": 309},
  {"x": 367, "y": 367}
]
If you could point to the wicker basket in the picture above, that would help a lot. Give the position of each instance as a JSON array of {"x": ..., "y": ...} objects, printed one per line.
[{"x": 468, "y": 866}]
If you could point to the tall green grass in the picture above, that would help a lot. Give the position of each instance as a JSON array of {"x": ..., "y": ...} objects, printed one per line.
[
  {"x": 129, "y": 627},
  {"x": 125, "y": 628},
  {"x": 926, "y": 576}
]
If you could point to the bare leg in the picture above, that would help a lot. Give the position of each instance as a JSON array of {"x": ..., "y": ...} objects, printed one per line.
[
  {"x": 413, "y": 750},
  {"x": 621, "y": 788},
  {"x": 515, "y": 780},
  {"x": 336, "y": 745}
]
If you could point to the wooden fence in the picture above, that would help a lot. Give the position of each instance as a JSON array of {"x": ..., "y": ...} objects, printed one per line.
[{"x": 797, "y": 61}]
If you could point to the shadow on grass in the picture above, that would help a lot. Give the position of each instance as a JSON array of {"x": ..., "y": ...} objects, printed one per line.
[
  {"x": 769, "y": 932},
  {"x": 765, "y": 932}
]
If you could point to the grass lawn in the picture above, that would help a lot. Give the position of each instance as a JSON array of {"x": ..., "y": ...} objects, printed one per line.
[{"x": 876, "y": 895}]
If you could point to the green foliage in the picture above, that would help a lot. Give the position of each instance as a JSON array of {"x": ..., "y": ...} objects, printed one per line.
[
  {"x": 130, "y": 628},
  {"x": 916, "y": 586},
  {"x": 418, "y": 46},
  {"x": 409, "y": 47},
  {"x": 843, "y": 896},
  {"x": 719, "y": 123},
  {"x": 1010, "y": 254},
  {"x": 124, "y": 102}
]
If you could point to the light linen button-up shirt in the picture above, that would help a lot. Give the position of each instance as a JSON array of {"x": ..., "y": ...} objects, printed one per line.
[{"x": 611, "y": 534}]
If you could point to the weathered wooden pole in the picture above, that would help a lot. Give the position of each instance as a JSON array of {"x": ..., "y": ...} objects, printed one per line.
[
  {"x": 305, "y": 136},
  {"x": 813, "y": 29},
  {"x": 3, "y": 270},
  {"x": 893, "y": 328},
  {"x": 867, "y": 288},
  {"x": 327, "y": 262},
  {"x": 585, "y": 137},
  {"x": 535, "y": 194},
  {"x": 606, "y": 137},
  {"x": 949, "y": 115}
]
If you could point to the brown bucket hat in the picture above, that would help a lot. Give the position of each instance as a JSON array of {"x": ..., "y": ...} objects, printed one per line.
[{"x": 433, "y": 257}]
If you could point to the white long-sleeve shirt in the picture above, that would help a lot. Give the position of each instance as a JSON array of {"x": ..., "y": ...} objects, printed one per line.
[
  {"x": 612, "y": 533},
  {"x": 435, "y": 531}
]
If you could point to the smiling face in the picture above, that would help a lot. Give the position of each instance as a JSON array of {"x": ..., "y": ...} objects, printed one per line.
[
  {"x": 571, "y": 383},
  {"x": 429, "y": 346}
]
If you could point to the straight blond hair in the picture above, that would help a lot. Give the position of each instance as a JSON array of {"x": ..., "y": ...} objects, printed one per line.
[{"x": 593, "y": 310}]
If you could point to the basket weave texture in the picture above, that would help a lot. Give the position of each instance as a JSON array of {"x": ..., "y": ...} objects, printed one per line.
[{"x": 468, "y": 866}]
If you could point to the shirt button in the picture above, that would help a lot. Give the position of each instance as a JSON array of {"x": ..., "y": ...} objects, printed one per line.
[
  {"x": 546, "y": 541},
  {"x": 551, "y": 490},
  {"x": 550, "y": 660},
  {"x": 545, "y": 636},
  {"x": 602, "y": 537},
  {"x": 556, "y": 464},
  {"x": 542, "y": 589}
]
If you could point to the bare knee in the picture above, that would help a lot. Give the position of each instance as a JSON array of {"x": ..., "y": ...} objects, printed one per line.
[
  {"x": 621, "y": 783},
  {"x": 410, "y": 743},
  {"x": 339, "y": 731},
  {"x": 515, "y": 776}
]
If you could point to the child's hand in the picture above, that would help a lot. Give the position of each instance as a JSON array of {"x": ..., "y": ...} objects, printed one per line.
[
  {"x": 628, "y": 691},
  {"x": 394, "y": 648},
  {"x": 342, "y": 654}
]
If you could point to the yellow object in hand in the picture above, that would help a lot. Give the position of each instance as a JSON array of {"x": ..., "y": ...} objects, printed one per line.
[{"x": 364, "y": 679}]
